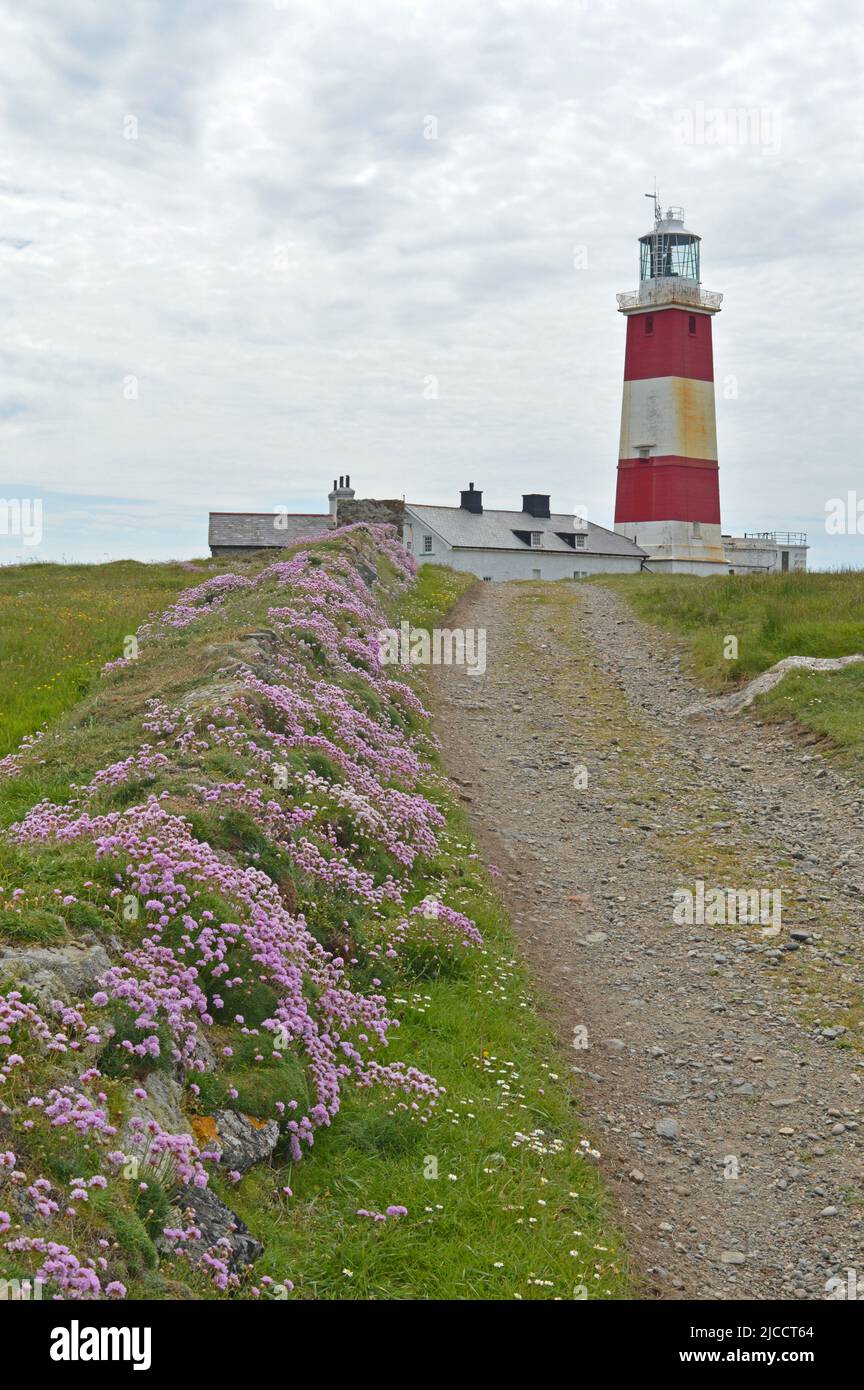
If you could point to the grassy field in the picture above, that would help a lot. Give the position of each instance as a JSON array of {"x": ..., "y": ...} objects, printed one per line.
[
  {"x": 59, "y": 624},
  {"x": 503, "y": 1201},
  {"x": 771, "y": 616}
]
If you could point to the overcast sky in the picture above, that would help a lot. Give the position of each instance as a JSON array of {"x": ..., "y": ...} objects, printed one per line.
[{"x": 246, "y": 246}]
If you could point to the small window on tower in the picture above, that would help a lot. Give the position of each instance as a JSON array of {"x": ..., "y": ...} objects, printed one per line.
[
  {"x": 427, "y": 545},
  {"x": 692, "y": 324},
  {"x": 649, "y": 323}
]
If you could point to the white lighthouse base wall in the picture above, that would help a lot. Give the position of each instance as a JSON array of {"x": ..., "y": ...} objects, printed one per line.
[
  {"x": 672, "y": 549},
  {"x": 661, "y": 564},
  {"x": 690, "y": 542}
]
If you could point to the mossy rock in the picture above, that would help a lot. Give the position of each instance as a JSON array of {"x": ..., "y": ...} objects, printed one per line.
[
  {"x": 253, "y": 1000},
  {"x": 259, "y": 1085},
  {"x": 116, "y": 1061},
  {"x": 153, "y": 1206},
  {"x": 85, "y": 917},
  {"x": 130, "y": 1233},
  {"x": 33, "y": 925}
]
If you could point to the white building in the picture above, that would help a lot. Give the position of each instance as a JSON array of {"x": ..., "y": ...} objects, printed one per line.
[
  {"x": 531, "y": 543},
  {"x": 768, "y": 551}
]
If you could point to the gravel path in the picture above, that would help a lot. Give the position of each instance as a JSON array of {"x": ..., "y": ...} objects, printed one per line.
[{"x": 723, "y": 1074}]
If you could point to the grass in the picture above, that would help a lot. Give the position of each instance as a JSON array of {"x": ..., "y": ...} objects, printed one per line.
[
  {"x": 489, "y": 1217},
  {"x": 59, "y": 624},
  {"x": 771, "y": 617},
  {"x": 503, "y": 1202}
]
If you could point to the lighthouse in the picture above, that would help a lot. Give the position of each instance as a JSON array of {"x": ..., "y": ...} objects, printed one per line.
[{"x": 668, "y": 494}]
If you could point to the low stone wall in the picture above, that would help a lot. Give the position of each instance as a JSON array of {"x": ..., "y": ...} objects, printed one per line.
[{"x": 372, "y": 509}]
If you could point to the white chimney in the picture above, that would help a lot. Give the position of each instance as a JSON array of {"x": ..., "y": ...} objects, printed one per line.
[{"x": 342, "y": 491}]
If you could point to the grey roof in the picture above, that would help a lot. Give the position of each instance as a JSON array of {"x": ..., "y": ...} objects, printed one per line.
[
  {"x": 493, "y": 530},
  {"x": 261, "y": 529}
]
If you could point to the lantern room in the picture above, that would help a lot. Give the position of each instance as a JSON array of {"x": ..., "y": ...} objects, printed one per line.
[{"x": 669, "y": 251}]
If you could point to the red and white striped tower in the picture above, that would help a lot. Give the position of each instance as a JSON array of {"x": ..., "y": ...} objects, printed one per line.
[{"x": 668, "y": 497}]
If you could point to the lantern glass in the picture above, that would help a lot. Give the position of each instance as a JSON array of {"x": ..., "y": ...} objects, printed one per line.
[{"x": 663, "y": 254}]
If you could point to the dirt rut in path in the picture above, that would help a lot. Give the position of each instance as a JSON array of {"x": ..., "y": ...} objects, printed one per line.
[{"x": 722, "y": 1077}]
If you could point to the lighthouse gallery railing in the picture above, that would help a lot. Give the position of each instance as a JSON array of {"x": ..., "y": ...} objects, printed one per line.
[{"x": 669, "y": 290}]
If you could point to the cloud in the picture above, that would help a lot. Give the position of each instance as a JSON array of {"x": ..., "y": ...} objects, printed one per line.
[{"x": 240, "y": 237}]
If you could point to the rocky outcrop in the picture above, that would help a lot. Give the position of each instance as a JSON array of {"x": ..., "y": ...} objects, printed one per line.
[
  {"x": 243, "y": 1141},
  {"x": 215, "y": 1221},
  {"x": 163, "y": 1103},
  {"x": 55, "y": 970},
  {"x": 740, "y": 699}
]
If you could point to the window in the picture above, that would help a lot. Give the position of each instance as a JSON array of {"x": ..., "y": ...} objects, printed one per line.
[
  {"x": 427, "y": 545},
  {"x": 581, "y": 540},
  {"x": 697, "y": 529},
  {"x": 536, "y": 538},
  {"x": 691, "y": 324},
  {"x": 580, "y": 574},
  {"x": 784, "y": 560},
  {"x": 649, "y": 323},
  {"x": 535, "y": 574},
  {"x": 644, "y": 451},
  {"x": 487, "y": 579}
]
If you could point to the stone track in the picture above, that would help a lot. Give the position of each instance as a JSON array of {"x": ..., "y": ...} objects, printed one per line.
[{"x": 723, "y": 1074}]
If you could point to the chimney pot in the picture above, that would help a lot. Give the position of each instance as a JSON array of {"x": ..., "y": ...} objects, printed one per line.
[
  {"x": 472, "y": 500},
  {"x": 536, "y": 503}
]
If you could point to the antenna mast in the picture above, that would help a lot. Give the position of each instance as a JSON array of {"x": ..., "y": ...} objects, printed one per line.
[{"x": 658, "y": 211}]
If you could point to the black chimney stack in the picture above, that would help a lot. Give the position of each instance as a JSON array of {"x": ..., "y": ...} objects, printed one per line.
[
  {"x": 472, "y": 501},
  {"x": 536, "y": 503}
]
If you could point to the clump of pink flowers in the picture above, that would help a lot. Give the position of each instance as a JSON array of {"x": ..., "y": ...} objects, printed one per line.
[{"x": 350, "y": 818}]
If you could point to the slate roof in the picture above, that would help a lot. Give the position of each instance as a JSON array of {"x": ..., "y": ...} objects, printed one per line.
[
  {"x": 259, "y": 528},
  {"x": 493, "y": 530}
]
